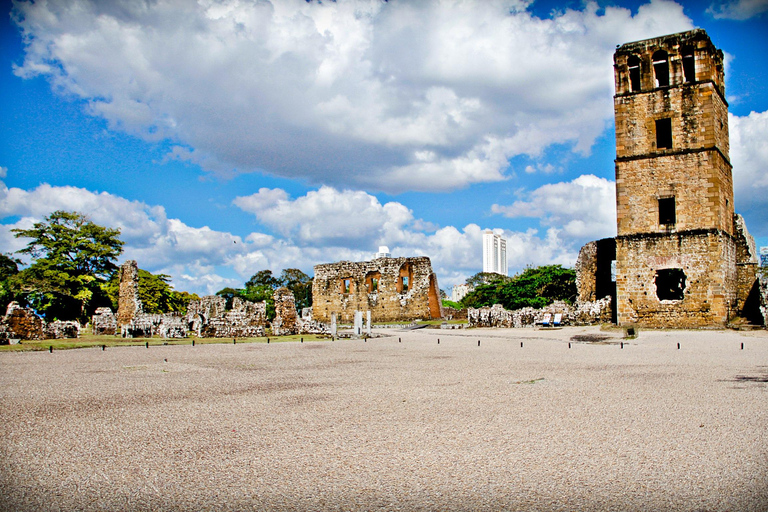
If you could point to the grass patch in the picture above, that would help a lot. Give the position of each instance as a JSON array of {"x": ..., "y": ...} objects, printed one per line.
[
  {"x": 440, "y": 322},
  {"x": 534, "y": 381},
  {"x": 91, "y": 340}
]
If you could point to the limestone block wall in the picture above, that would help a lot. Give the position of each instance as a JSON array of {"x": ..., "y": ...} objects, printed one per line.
[
  {"x": 706, "y": 257},
  {"x": 707, "y": 58},
  {"x": 700, "y": 182},
  {"x": 392, "y": 289}
]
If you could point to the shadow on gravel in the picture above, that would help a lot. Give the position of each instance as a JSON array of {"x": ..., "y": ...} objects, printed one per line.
[
  {"x": 759, "y": 378},
  {"x": 595, "y": 339}
]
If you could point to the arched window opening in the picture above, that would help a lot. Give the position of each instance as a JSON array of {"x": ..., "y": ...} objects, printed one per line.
[
  {"x": 372, "y": 281},
  {"x": 405, "y": 278},
  {"x": 633, "y": 64},
  {"x": 689, "y": 65},
  {"x": 661, "y": 68}
]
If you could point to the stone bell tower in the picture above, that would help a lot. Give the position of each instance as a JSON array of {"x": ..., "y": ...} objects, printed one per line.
[{"x": 675, "y": 249}]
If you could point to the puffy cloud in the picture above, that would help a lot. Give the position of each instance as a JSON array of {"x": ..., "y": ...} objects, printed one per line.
[
  {"x": 203, "y": 260},
  {"x": 329, "y": 216},
  {"x": 158, "y": 243},
  {"x": 429, "y": 95},
  {"x": 749, "y": 156},
  {"x": 738, "y": 9},
  {"x": 584, "y": 208}
]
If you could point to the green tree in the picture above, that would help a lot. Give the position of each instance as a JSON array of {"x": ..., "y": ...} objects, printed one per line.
[
  {"x": 155, "y": 292},
  {"x": 9, "y": 267},
  {"x": 300, "y": 284},
  {"x": 534, "y": 287},
  {"x": 73, "y": 258},
  {"x": 482, "y": 278},
  {"x": 263, "y": 278}
]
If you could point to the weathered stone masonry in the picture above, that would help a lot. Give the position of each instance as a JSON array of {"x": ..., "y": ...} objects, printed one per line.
[
  {"x": 677, "y": 249},
  {"x": 392, "y": 289}
]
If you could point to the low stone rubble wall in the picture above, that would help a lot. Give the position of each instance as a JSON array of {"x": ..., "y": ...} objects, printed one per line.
[
  {"x": 581, "y": 313},
  {"x": 61, "y": 329},
  {"x": 23, "y": 324},
  {"x": 104, "y": 322}
]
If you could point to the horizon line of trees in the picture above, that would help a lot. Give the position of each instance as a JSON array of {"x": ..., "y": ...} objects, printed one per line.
[{"x": 74, "y": 272}]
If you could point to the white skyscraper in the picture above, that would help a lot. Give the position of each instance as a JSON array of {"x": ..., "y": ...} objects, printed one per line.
[{"x": 494, "y": 253}]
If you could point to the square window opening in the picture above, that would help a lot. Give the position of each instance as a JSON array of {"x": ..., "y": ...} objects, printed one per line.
[
  {"x": 664, "y": 133},
  {"x": 667, "y": 211}
]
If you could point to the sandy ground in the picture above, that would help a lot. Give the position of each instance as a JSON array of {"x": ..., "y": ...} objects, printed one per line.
[{"x": 382, "y": 424}]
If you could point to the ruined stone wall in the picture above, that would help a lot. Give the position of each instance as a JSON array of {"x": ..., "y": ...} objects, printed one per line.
[
  {"x": 286, "y": 320},
  {"x": 61, "y": 329},
  {"x": 129, "y": 304},
  {"x": 104, "y": 322},
  {"x": 581, "y": 313},
  {"x": 762, "y": 286},
  {"x": 346, "y": 287},
  {"x": 208, "y": 318},
  {"x": 593, "y": 270},
  {"x": 708, "y": 260},
  {"x": 747, "y": 286},
  {"x": 22, "y": 323}
]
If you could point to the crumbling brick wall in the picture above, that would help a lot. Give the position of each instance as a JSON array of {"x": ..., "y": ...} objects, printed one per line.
[{"x": 392, "y": 289}]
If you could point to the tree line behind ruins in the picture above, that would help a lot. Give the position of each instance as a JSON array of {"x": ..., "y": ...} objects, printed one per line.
[{"x": 74, "y": 272}]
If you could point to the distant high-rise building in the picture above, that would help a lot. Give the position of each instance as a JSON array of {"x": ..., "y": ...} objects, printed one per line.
[
  {"x": 383, "y": 252},
  {"x": 764, "y": 256},
  {"x": 494, "y": 253}
]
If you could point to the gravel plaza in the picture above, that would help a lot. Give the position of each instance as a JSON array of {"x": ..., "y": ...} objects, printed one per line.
[{"x": 529, "y": 419}]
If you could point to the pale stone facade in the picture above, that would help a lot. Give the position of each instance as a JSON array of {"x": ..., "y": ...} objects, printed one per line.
[{"x": 392, "y": 289}]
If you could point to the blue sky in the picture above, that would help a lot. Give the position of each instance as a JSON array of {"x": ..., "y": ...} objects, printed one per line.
[{"x": 223, "y": 138}]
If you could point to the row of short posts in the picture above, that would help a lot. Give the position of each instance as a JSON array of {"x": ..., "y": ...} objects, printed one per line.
[{"x": 365, "y": 339}]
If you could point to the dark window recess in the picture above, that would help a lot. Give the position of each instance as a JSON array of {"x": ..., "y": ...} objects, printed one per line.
[
  {"x": 664, "y": 133},
  {"x": 633, "y": 63},
  {"x": 689, "y": 65},
  {"x": 670, "y": 284},
  {"x": 667, "y": 211},
  {"x": 661, "y": 68}
]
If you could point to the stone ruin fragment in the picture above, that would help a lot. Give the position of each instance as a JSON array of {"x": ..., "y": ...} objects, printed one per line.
[
  {"x": 209, "y": 318},
  {"x": 20, "y": 323},
  {"x": 392, "y": 289},
  {"x": 286, "y": 321}
]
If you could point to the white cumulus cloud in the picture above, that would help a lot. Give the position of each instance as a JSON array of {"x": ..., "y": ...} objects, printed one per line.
[
  {"x": 738, "y": 9},
  {"x": 583, "y": 208},
  {"x": 430, "y": 95}
]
